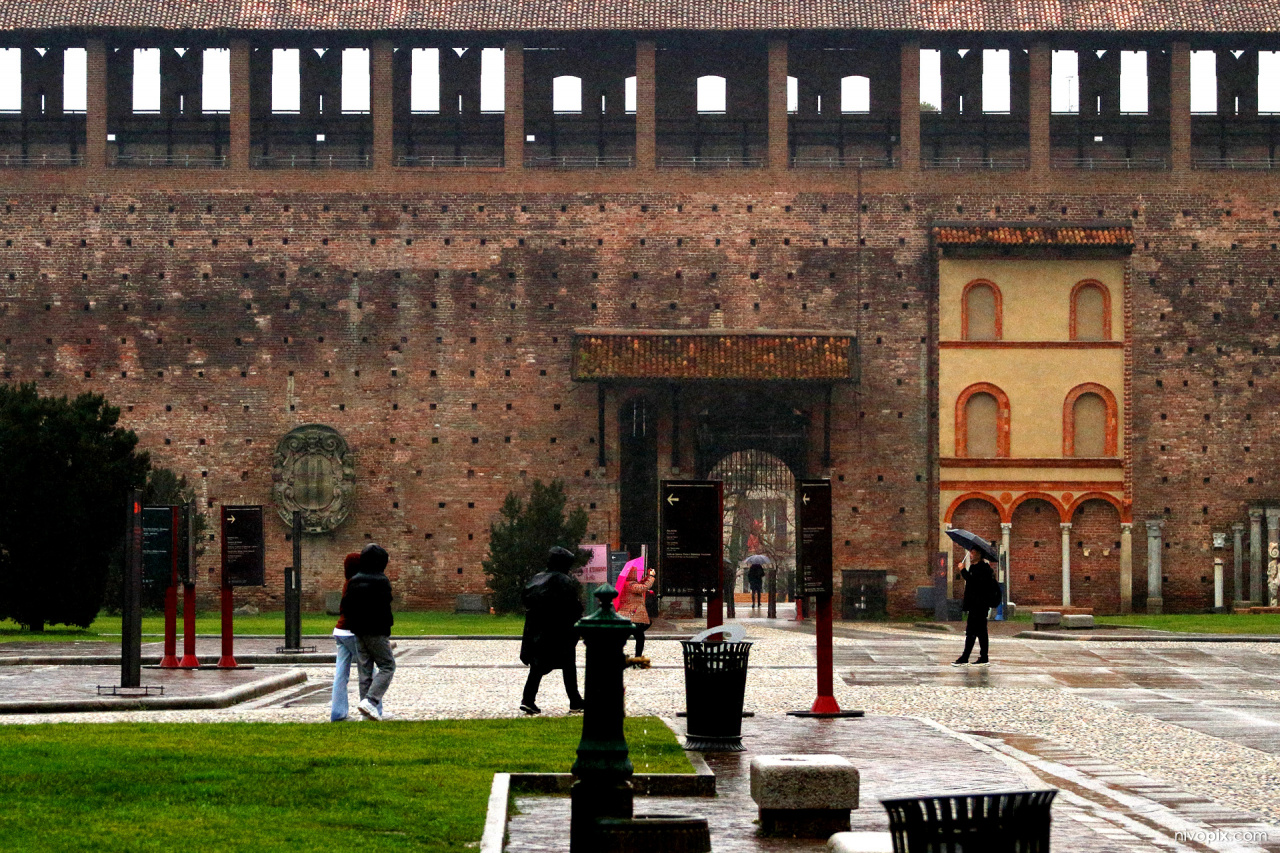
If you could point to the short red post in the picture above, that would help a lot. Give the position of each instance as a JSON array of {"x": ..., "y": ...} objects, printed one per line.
[
  {"x": 826, "y": 701},
  {"x": 189, "y": 659},
  {"x": 228, "y": 660},
  {"x": 170, "y": 659}
]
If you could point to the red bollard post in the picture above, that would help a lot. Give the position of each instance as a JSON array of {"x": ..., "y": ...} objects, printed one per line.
[
  {"x": 826, "y": 701},
  {"x": 228, "y": 660},
  {"x": 170, "y": 659},
  {"x": 189, "y": 659}
]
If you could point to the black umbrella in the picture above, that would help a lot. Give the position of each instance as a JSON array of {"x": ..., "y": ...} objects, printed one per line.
[{"x": 973, "y": 542}]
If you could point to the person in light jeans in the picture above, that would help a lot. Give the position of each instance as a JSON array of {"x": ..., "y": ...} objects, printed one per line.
[{"x": 347, "y": 650}]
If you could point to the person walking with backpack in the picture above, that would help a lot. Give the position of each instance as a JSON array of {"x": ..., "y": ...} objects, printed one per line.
[
  {"x": 367, "y": 608},
  {"x": 981, "y": 593},
  {"x": 553, "y": 605}
]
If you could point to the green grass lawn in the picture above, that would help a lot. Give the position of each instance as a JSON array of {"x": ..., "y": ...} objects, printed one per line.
[
  {"x": 420, "y": 786},
  {"x": 409, "y": 623},
  {"x": 1201, "y": 623}
]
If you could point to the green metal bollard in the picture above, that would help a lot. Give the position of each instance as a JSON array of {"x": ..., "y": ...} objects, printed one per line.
[{"x": 602, "y": 786}]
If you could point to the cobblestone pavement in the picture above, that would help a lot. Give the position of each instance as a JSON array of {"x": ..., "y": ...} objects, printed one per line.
[{"x": 1145, "y": 740}]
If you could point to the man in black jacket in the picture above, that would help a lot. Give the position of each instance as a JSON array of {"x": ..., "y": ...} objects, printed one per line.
[
  {"x": 367, "y": 610},
  {"x": 554, "y": 606},
  {"x": 980, "y": 581}
]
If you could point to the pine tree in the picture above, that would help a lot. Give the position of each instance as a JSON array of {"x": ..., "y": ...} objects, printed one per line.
[
  {"x": 519, "y": 542},
  {"x": 67, "y": 470}
]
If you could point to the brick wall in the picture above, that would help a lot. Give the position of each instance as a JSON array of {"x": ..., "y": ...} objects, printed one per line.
[
  {"x": 1095, "y": 575},
  {"x": 395, "y": 284}
]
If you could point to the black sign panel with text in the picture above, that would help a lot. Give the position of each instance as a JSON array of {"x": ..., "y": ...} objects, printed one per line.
[
  {"x": 691, "y": 544},
  {"x": 157, "y": 545},
  {"x": 242, "y": 547},
  {"x": 813, "y": 551}
]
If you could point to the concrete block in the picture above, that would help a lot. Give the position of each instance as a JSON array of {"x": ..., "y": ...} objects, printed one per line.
[
  {"x": 1077, "y": 620},
  {"x": 332, "y": 601},
  {"x": 470, "y": 602},
  {"x": 861, "y": 842},
  {"x": 1041, "y": 619},
  {"x": 804, "y": 782}
]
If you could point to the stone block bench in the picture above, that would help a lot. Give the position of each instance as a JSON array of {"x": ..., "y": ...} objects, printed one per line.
[
  {"x": 804, "y": 796},
  {"x": 1042, "y": 619},
  {"x": 1077, "y": 620}
]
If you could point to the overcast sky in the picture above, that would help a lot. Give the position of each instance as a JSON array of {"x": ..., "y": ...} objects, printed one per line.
[{"x": 425, "y": 83}]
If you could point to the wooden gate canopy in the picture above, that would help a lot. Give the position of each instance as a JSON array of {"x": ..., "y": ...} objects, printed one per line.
[{"x": 715, "y": 354}]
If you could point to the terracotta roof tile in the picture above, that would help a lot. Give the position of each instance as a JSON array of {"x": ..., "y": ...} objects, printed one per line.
[
  {"x": 1119, "y": 236},
  {"x": 1169, "y": 16},
  {"x": 811, "y": 356}
]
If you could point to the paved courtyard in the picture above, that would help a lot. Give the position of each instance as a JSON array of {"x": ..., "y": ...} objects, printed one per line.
[{"x": 1154, "y": 745}]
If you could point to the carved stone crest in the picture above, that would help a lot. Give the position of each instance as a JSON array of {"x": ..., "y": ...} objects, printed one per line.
[{"x": 313, "y": 472}]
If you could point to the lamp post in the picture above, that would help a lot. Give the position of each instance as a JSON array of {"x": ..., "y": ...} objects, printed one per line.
[{"x": 602, "y": 786}]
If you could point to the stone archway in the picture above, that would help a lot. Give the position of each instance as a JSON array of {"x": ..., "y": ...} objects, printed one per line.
[
  {"x": 759, "y": 510},
  {"x": 1095, "y": 556},
  {"x": 1035, "y": 553}
]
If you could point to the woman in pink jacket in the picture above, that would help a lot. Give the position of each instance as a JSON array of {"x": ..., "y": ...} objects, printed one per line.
[{"x": 631, "y": 594}]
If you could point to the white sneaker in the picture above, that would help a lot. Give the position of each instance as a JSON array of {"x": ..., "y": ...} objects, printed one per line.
[{"x": 369, "y": 710}]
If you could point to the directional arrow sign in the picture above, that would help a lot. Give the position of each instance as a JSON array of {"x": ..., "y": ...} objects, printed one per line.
[
  {"x": 242, "y": 546},
  {"x": 690, "y": 549},
  {"x": 813, "y": 556}
]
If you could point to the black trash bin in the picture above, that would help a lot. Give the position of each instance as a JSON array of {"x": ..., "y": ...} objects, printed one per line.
[
  {"x": 1016, "y": 822},
  {"x": 715, "y": 682}
]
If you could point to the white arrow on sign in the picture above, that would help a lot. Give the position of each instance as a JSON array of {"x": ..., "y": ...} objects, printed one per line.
[
  {"x": 805, "y": 498},
  {"x": 231, "y": 519},
  {"x": 672, "y": 500}
]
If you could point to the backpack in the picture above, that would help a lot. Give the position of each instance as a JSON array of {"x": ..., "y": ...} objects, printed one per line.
[{"x": 994, "y": 594}]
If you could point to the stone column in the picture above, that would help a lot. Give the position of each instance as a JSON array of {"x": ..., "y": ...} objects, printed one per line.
[
  {"x": 1237, "y": 562},
  {"x": 646, "y": 105},
  {"x": 513, "y": 106},
  {"x": 1180, "y": 107},
  {"x": 909, "y": 107},
  {"x": 1066, "y": 564},
  {"x": 1005, "y": 529},
  {"x": 1273, "y": 555},
  {"x": 1155, "y": 590},
  {"x": 1255, "y": 554},
  {"x": 1126, "y": 567},
  {"x": 380, "y": 104},
  {"x": 779, "y": 148},
  {"x": 1217, "y": 586},
  {"x": 950, "y": 548},
  {"x": 239, "y": 158},
  {"x": 95, "y": 116},
  {"x": 1040, "y": 106}
]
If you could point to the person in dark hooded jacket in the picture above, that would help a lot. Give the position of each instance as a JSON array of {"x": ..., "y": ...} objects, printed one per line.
[
  {"x": 980, "y": 582},
  {"x": 366, "y": 610},
  {"x": 553, "y": 606}
]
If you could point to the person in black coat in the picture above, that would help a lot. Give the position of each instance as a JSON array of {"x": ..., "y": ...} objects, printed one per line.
[
  {"x": 980, "y": 581},
  {"x": 553, "y": 604},
  {"x": 366, "y": 611}
]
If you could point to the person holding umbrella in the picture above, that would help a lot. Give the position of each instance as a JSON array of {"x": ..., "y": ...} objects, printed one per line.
[
  {"x": 755, "y": 576},
  {"x": 981, "y": 593},
  {"x": 633, "y": 585}
]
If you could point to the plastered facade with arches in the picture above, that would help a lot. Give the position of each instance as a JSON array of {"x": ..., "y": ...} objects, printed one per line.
[{"x": 1031, "y": 379}]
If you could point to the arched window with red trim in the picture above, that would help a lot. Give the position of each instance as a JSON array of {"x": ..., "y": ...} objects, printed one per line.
[
  {"x": 982, "y": 422},
  {"x": 1089, "y": 422},
  {"x": 980, "y": 312},
  {"x": 1090, "y": 312}
]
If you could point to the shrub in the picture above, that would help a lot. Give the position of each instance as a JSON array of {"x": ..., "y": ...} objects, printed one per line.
[{"x": 519, "y": 542}]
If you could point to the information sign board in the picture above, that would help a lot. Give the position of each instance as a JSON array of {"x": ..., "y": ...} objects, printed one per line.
[
  {"x": 242, "y": 546},
  {"x": 691, "y": 545},
  {"x": 157, "y": 546},
  {"x": 813, "y": 551}
]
